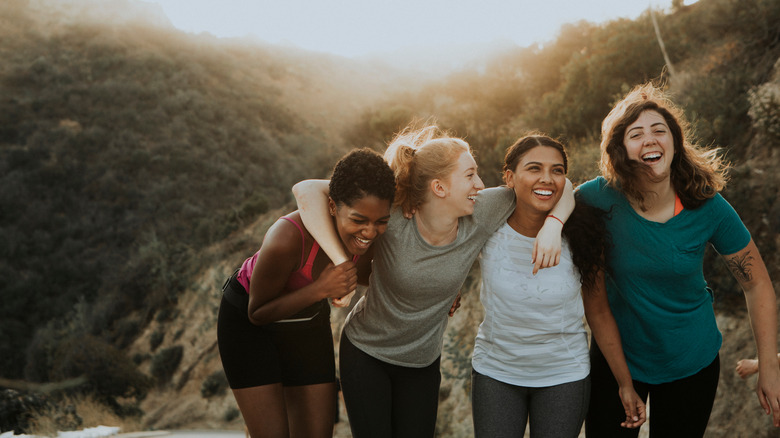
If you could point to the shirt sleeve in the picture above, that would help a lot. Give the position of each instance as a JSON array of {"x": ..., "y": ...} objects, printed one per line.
[
  {"x": 493, "y": 207},
  {"x": 589, "y": 191},
  {"x": 730, "y": 235}
]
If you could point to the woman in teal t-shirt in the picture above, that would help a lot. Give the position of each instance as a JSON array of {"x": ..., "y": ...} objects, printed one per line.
[{"x": 662, "y": 193}]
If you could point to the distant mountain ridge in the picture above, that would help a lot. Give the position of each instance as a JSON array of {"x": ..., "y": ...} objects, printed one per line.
[{"x": 119, "y": 12}]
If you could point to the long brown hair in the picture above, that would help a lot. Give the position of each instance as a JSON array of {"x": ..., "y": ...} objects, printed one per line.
[
  {"x": 697, "y": 174},
  {"x": 418, "y": 156}
]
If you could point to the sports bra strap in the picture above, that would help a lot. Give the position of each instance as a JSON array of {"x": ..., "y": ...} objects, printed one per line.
[
  {"x": 309, "y": 267},
  {"x": 303, "y": 241}
]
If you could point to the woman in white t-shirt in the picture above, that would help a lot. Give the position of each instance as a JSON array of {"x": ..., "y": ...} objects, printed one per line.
[{"x": 531, "y": 361}]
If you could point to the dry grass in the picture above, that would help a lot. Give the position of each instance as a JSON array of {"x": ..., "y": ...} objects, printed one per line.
[{"x": 65, "y": 414}]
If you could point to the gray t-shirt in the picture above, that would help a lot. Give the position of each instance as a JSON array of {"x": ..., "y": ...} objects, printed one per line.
[{"x": 402, "y": 316}]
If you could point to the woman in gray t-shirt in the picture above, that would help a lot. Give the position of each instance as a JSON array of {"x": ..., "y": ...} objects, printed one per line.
[{"x": 391, "y": 344}]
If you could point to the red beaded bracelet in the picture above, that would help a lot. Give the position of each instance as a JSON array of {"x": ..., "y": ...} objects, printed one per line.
[{"x": 549, "y": 215}]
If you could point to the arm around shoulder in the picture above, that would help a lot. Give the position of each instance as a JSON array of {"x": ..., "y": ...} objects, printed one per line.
[
  {"x": 547, "y": 246},
  {"x": 312, "y": 199}
]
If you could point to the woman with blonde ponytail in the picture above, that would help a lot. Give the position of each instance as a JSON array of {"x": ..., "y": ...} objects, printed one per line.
[{"x": 391, "y": 345}]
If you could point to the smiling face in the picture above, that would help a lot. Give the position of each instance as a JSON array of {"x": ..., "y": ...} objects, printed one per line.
[
  {"x": 649, "y": 141},
  {"x": 463, "y": 184},
  {"x": 538, "y": 179},
  {"x": 359, "y": 224}
]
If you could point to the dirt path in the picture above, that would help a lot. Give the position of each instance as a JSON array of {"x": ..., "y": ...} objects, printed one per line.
[{"x": 186, "y": 434}]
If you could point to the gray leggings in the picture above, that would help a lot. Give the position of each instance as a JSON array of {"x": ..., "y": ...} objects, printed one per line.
[{"x": 503, "y": 410}]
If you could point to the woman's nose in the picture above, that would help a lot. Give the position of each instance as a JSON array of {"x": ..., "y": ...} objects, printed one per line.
[
  {"x": 370, "y": 232},
  {"x": 478, "y": 183}
]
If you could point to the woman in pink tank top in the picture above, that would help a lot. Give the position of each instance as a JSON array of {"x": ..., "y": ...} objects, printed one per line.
[{"x": 274, "y": 332}]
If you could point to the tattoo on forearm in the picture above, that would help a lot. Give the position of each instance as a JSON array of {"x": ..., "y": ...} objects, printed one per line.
[{"x": 740, "y": 266}]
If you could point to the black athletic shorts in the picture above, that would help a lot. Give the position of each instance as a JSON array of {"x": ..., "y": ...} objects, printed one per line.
[{"x": 293, "y": 353}]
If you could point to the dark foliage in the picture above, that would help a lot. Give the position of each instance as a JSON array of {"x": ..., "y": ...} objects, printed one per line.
[
  {"x": 155, "y": 340},
  {"x": 110, "y": 374},
  {"x": 17, "y": 409},
  {"x": 215, "y": 384},
  {"x": 122, "y": 150},
  {"x": 165, "y": 363}
]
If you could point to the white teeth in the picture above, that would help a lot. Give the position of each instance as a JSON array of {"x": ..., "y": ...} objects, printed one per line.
[
  {"x": 363, "y": 241},
  {"x": 651, "y": 156},
  {"x": 472, "y": 197},
  {"x": 543, "y": 192}
]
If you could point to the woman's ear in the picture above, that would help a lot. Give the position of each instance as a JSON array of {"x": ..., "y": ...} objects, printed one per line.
[
  {"x": 438, "y": 188},
  {"x": 509, "y": 178},
  {"x": 331, "y": 206}
]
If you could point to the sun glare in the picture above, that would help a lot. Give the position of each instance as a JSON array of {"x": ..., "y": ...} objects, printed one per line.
[{"x": 360, "y": 27}]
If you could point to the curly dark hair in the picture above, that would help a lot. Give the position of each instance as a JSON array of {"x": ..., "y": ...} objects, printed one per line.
[
  {"x": 360, "y": 173},
  {"x": 589, "y": 241}
]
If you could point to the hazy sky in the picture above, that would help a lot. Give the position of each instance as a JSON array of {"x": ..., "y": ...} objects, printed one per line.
[{"x": 358, "y": 27}]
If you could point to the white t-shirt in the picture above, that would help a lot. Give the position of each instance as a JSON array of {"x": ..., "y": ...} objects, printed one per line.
[{"x": 533, "y": 334}]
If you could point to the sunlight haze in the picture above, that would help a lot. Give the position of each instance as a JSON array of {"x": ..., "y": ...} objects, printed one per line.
[{"x": 364, "y": 27}]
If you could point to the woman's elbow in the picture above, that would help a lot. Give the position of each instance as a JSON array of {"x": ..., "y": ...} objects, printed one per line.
[
  {"x": 256, "y": 317},
  {"x": 298, "y": 187}
]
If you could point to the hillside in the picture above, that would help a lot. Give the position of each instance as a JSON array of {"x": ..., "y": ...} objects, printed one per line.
[
  {"x": 127, "y": 146},
  {"x": 140, "y": 165}
]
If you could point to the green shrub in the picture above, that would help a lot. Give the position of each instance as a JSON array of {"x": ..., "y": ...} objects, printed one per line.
[
  {"x": 156, "y": 339},
  {"x": 231, "y": 414},
  {"x": 109, "y": 372},
  {"x": 165, "y": 314},
  {"x": 140, "y": 358},
  {"x": 165, "y": 363},
  {"x": 214, "y": 384},
  {"x": 765, "y": 109},
  {"x": 125, "y": 331}
]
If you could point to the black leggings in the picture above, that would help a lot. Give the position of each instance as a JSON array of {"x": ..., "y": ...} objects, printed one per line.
[
  {"x": 385, "y": 400},
  {"x": 679, "y": 409}
]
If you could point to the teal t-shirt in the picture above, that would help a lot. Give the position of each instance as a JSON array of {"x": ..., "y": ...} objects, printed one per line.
[{"x": 657, "y": 291}]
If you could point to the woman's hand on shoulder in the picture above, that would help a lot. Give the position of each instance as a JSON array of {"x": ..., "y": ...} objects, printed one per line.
[{"x": 547, "y": 246}]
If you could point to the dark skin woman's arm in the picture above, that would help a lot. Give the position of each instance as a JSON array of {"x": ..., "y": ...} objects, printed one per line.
[{"x": 280, "y": 256}]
